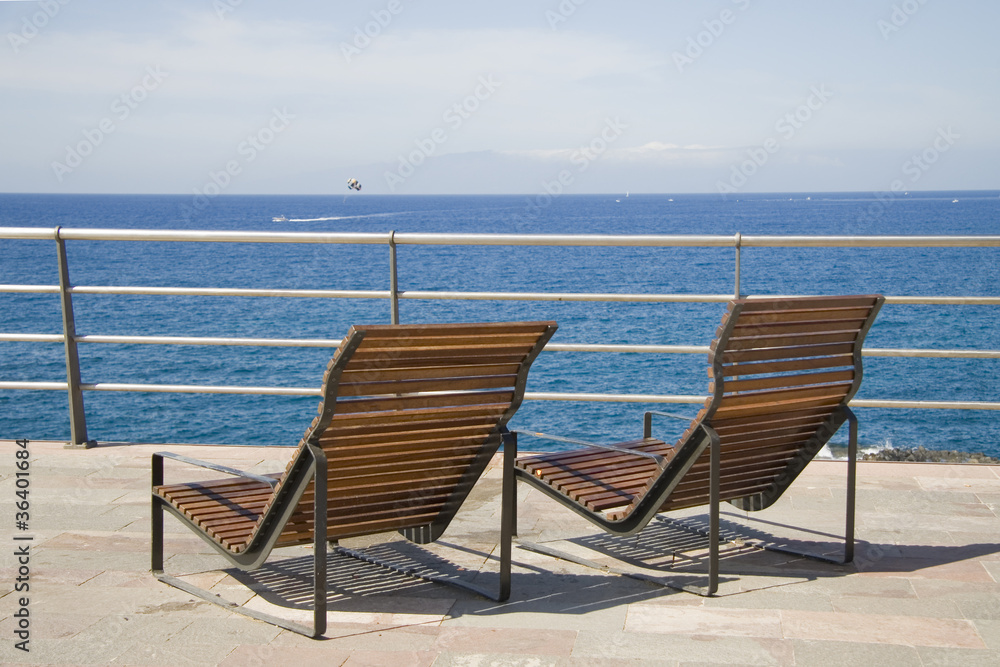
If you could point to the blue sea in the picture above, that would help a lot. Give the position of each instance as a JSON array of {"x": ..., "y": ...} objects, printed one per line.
[{"x": 268, "y": 420}]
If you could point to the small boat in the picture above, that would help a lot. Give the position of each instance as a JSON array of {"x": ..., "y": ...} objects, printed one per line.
[
  {"x": 954, "y": 201},
  {"x": 279, "y": 218}
]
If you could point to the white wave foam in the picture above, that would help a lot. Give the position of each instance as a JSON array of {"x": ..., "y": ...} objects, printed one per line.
[{"x": 346, "y": 217}]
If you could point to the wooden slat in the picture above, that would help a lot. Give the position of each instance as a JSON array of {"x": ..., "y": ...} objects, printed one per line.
[
  {"x": 344, "y": 449},
  {"x": 792, "y": 366},
  {"x": 792, "y": 340},
  {"x": 374, "y": 421},
  {"x": 786, "y": 353},
  {"x": 376, "y": 331},
  {"x": 730, "y": 401},
  {"x": 805, "y": 315},
  {"x": 423, "y": 401},
  {"x": 424, "y": 372},
  {"x": 779, "y": 328},
  {"x": 521, "y": 340},
  {"x": 797, "y": 380},
  {"x": 809, "y": 303},
  {"x": 778, "y": 407},
  {"x": 380, "y": 387}
]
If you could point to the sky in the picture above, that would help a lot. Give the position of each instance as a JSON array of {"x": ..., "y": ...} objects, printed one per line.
[{"x": 484, "y": 97}]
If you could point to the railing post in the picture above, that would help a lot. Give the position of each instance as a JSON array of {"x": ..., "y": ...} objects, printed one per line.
[
  {"x": 77, "y": 416},
  {"x": 739, "y": 248},
  {"x": 393, "y": 280}
]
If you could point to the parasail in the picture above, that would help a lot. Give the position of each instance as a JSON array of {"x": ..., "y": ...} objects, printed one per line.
[{"x": 353, "y": 184}]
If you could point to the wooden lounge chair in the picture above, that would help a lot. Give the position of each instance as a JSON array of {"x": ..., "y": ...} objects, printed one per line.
[
  {"x": 783, "y": 371},
  {"x": 409, "y": 420}
]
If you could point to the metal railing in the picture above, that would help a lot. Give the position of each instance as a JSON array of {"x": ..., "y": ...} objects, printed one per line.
[{"x": 69, "y": 338}]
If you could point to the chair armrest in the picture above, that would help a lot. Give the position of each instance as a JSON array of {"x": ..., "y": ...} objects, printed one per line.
[
  {"x": 660, "y": 461},
  {"x": 647, "y": 421},
  {"x": 158, "y": 466}
]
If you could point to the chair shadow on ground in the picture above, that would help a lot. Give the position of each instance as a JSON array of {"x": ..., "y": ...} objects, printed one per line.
[
  {"x": 674, "y": 545},
  {"x": 671, "y": 550},
  {"x": 355, "y": 585}
]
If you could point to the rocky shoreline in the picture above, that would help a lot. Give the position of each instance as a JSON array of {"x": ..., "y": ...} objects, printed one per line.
[{"x": 923, "y": 455}]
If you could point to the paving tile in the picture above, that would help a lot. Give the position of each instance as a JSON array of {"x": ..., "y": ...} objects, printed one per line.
[
  {"x": 937, "y": 657},
  {"x": 709, "y": 622},
  {"x": 349, "y": 637},
  {"x": 854, "y": 654},
  {"x": 397, "y": 659},
  {"x": 65, "y": 652},
  {"x": 909, "y": 630},
  {"x": 989, "y": 630},
  {"x": 318, "y": 654},
  {"x": 50, "y": 625},
  {"x": 448, "y": 659},
  {"x": 781, "y": 598},
  {"x": 668, "y": 648},
  {"x": 174, "y": 653},
  {"x": 235, "y": 629},
  {"x": 993, "y": 568},
  {"x": 544, "y": 642},
  {"x": 974, "y": 600},
  {"x": 895, "y": 607},
  {"x": 547, "y": 613},
  {"x": 916, "y": 568}
]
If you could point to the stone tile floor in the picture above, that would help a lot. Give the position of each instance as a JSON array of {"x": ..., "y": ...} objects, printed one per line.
[{"x": 923, "y": 589}]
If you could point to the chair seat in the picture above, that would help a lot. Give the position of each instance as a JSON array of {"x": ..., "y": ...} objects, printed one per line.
[
  {"x": 597, "y": 478},
  {"x": 227, "y": 510}
]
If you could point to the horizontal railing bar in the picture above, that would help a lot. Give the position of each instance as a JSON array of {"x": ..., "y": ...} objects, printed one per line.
[
  {"x": 567, "y": 296},
  {"x": 32, "y": 338},
  {"x": 933, "y": 405},
  {"x": 35, "y": 386},
  {"x": 601, "y": 347},
  {"x": 458, "y": 296},
  {"x": 611, "y": 398},
  {"x": 551, "y": 347},
  {"x": 944, "y": 300},
  {"x": 569, "y": 240},
  {"x": 566, "y": 240},
  {"x": 869, "y": 241},
  {"x": 30, "y": 289},
  {"x": 193, "y": 340},
  {"x": 202, "y": 389},
  {"x": 925, "y": 353},
  {"x": 235, "y": 291},
  {"x": 531, "y": 396}
]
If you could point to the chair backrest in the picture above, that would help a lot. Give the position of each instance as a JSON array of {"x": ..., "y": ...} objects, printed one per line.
[
  {"x": 783, "y": 371},
  {"x": 410, "y": 418}
]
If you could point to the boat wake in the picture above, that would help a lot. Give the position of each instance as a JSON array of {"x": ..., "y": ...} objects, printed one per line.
[{"x": 282, "y": 218}]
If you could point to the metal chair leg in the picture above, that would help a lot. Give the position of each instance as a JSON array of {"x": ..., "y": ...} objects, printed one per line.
[
  {"x": 852, "y": 474},
  {"x": 508, "y": 513},
  {"x": 319, "y": 540},
  {"x": 713, "y": 515}
]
